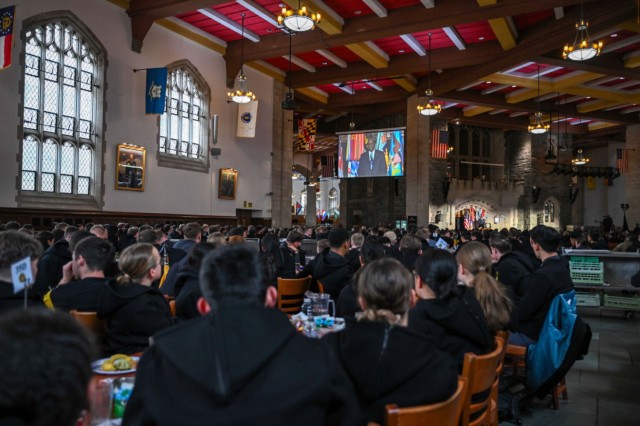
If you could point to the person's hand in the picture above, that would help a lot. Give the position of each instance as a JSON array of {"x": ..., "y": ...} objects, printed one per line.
[{"x": 67, "y": 273}]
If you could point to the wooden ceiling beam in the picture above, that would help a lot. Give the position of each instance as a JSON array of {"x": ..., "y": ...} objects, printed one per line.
[
  {"x": 497, "y": 101},
  {"x": 399, "y": 65},
  {"x": 609, "y": 64},
  {"x": 404, "y": 20},
  {"x": 536, "y": 41},
  {"x": 143, "y": 13}
]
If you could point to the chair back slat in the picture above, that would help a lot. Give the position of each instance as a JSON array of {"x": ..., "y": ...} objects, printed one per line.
[
  {"x": 291, "y": 293},
  {"x": 94, "y": 324},
  {"x": 445, "y": 413},
  {"x": 482, "y": 371}
]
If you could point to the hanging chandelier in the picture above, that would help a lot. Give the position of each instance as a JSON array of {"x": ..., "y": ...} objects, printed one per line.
[
  {"x": 430, "y": 107},
  {"x": 298, "y": 20},
  {"x": 289, "y": 103},
  {"x": 582, "y": 48},
  {"x": 580, "y": 159},
  {"x": 240, "y": 93},
  {"x": 539, "y": 127}
]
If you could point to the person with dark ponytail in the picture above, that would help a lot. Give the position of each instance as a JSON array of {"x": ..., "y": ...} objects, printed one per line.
[
  {"x": 447, "y": 312},
  {"x": 474, "y": 270},
  {"x": 387, "y": 362},
  {"x": 132, "y": 308}
]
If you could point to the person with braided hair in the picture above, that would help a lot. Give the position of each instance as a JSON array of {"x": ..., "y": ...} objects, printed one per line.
[
  {"x": 474, "y": 270},
  {"x": 388, "y": 362},
  {"x": 132, "y": 308},
  {"x": 45, "y": 368}
]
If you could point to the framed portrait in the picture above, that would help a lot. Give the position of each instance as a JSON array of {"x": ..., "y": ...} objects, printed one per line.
[
  {"x": 227, "y": 184},
  {"x": 130, "y": 167}
]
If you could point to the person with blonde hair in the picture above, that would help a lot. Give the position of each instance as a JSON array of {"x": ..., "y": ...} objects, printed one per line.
[
  {"x": 447, "y": 312},
  {"x": 387, "y": 362},
  {"x": 132, "y": 308},
  {"x": 474, "y": 270}
]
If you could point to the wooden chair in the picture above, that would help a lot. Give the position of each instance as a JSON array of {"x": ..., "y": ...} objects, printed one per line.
[
  {"x": 482, "y": 373},
  {"x": 504, "y": 335},
  {"x": 516, "y": 358},
  {"x": 291, "y": 294},
  {"x": 445, "y": 413},
  {"x": 320, "y": 287},
  {"x": 172, "y": 306},
  {"x": 91, "y": 321}
]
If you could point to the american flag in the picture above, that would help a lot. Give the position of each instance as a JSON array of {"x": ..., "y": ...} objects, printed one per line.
[
  {"x": 328, "y": 166},
  {"x": 6, "y": 35},
  {"x": 622, "y": 159},
  {"x": 439, "y": 143}
]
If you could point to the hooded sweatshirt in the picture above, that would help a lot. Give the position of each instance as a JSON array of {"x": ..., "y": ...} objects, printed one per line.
[
  {"x": 457, "y": 324},
  {"x": 240, "y": 365},
  {"x": 133, "y": 313},
  {"x": 393, "y": 365},
  {"x": 333, "y": 271}
]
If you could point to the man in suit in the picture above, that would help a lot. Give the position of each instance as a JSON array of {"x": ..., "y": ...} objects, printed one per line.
[{"x": 372, "y": 161}]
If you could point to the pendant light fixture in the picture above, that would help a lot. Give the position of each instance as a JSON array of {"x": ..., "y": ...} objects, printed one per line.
[
  {"x": 430, "y": 108},
  {"x": 551, "y": 155},
  {"x": 582, "y": 48},
  {"x": 580, "y": 159},
  {"x": 289, "y": 103},
  {"x": 298, "y": 20},
  {"x": 539, "y": 127},
  {"x": 240, "y": 93},
  {"x": 352, "y": 124}
]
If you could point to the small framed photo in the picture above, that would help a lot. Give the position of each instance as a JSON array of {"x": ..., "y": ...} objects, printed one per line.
[
  {"x": 130, "y": 167},
  {"x": 227, "y": 184}
]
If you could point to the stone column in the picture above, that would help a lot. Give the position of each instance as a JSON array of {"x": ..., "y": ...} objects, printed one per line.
[
  {"x": 631, "y": 193},
  {"x": 417, "y": 163},
  {"x": 282, "y": 160},
  {"x": 310, "y": 208}
]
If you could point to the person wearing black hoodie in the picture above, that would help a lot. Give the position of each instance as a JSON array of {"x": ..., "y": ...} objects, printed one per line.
[
  {"x": 389, "y": 363},
  {"x": 241, "y": 362},
  {"x": 187, "y": 288},
  {"x": 332, "y": 268},
  {"x": 132, "y": 308},
  {"x": 51, "y": 263},
  {"x": 447, "y": 312},
  {"x": 510, "y": 268}
]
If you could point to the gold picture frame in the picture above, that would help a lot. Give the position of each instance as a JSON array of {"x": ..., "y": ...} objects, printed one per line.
[
  {"x": 130, "y": 167},
  {"x": 227, "y": 184}
]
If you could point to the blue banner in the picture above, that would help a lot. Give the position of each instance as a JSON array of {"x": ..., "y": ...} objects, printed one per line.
[{"x": 156, "y": 90}]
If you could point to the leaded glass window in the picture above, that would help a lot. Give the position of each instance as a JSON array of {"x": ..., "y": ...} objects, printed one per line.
[
  {"x": 62, "y": 69},
  {"x": 184, "y": 124}
]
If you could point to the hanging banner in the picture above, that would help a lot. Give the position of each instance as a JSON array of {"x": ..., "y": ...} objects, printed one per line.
[
  {"x": 306, "y": 134},
  {"x": 591, "y": 182},
  {"x": 6, "y": 35},
  {"x": 247, "y": 117},
  {"x": 156, "y": 90}
]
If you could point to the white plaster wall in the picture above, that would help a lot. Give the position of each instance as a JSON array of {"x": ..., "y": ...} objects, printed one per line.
[{"x": 166, "y": 190}]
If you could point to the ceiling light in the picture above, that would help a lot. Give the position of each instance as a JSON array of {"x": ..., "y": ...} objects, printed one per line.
[
  {"x": 289, "y": 103},
  {"x": 614, "y": 35},
  {"x": 430, "y": 107},
  {"x": 582, "y": 48},
  {"x": 480, "y": 38},
  {"x": 240, "y": 93},
  {"x": 298, "y": 20},
  {"x": 580, "y": 159},
  {"x": 539, "y": 126}
]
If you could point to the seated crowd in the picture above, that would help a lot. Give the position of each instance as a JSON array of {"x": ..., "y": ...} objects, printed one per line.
[{"x": 412, "y": 309}]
